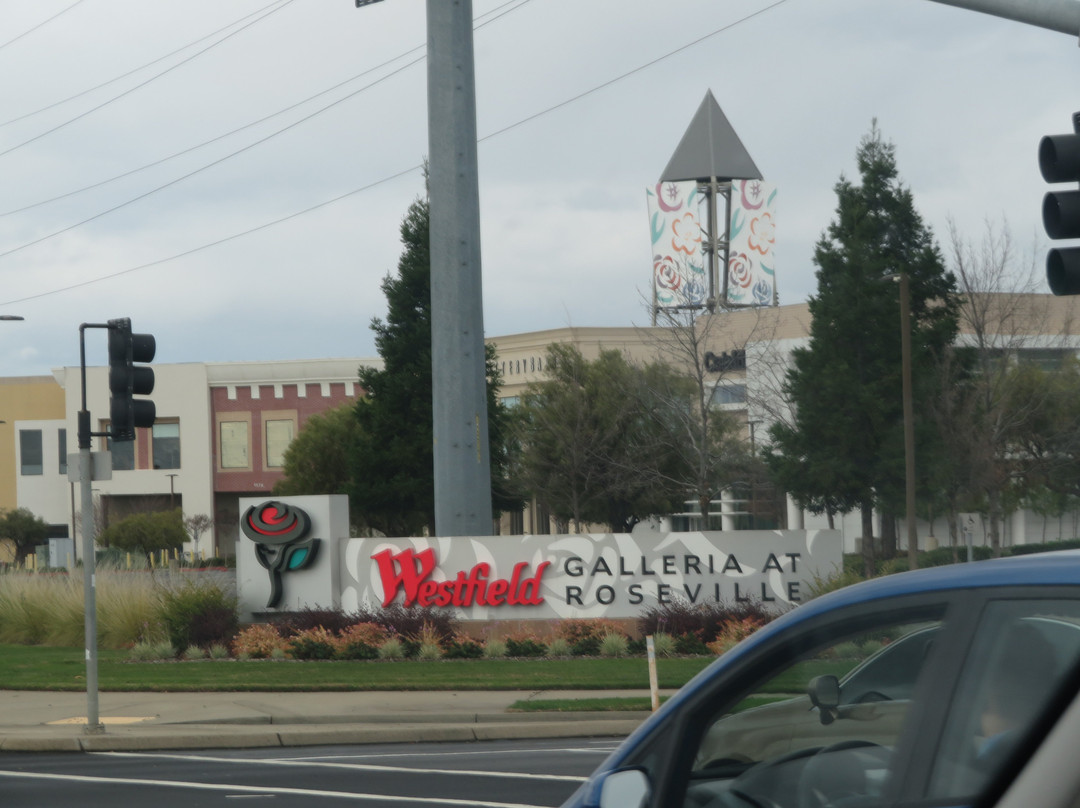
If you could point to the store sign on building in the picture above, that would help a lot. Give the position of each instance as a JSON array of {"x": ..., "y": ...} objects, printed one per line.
[{"x": 530, "y": 577}]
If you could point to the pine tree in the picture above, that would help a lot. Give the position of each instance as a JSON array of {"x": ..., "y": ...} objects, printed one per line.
[
  {"x": 844, "y": 448},
  {"x": 393, "y": 488},
  {"x": 393, "y": 467}
]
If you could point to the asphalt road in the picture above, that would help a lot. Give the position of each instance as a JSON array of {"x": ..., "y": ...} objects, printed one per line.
[{"x": 495, "y": 774}]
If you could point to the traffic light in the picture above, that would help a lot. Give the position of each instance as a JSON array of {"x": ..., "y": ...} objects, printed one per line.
[
  {"x": 1059, "y": 161},
  {"x": 127, "y": 380}
]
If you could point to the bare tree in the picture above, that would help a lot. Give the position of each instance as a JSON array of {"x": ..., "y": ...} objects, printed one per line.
[
  {"x": 1001, "y": 315},
  {"x": 710, "y": 350},
  {"x": 197, "y": 524}
]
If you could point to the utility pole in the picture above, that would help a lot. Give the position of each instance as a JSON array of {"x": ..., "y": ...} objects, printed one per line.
[{"x": 462, "y": 466}]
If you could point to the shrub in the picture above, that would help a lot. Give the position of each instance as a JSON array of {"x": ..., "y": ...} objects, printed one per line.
[
  {"x": 198, "y": 614},
  {"x": 706, "y": 620},
  {"x": 219, "y": 652},
  {"x": 193, "y": 652},
  {"x": 586, "y": 646},
  {"x": 494, "y": 649},
  {"x": 360, "y": 641},
  {"x": 152, "y": 652},
  {"x": 690, "y": 644},
  {"x": 613, "y": 645},
  {"x": 429, "y": 650},
  {"x": 290, "y": 624},
  {"x": 392, "y": 649},
  {"x": 412, "y": 621},
  {"x": 663, "y": 644},
  {"x": 524, "y": 645},
  {"x": 258, "y": 642},
  {"x": 578, "y": 630},
  {"x": 313, "y": 643},
  {"x": 732, "y": 633},
  {"x": 464, "y": 647},
  {"x": 559, "y": 647}
]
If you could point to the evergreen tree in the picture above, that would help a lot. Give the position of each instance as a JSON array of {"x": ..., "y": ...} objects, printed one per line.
[
  {"x": 844, "y": 448},
  {"x": 392, "y": 469},
  {"x": 393, "y": 466}
]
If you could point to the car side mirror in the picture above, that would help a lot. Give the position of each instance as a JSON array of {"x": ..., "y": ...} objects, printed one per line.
[
  {"x": 824, "y": 693},
  {"x": 623, "y": 788}
]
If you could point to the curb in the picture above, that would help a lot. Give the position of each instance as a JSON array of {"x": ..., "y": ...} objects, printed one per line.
[{"x": 242, "y": 734}]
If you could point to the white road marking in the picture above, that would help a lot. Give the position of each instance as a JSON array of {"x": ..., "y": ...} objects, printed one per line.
[
  {"x": 352, "y": 766},
  {"x": 260, "y": 791},
  {"x": 599, "y": 750}
]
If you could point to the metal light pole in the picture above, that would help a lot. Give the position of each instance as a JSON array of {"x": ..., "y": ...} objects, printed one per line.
[
  {"x": 909, "y": 421},
  {"x": 462, "y": 458},
  {"x": 86, "y": 501}
]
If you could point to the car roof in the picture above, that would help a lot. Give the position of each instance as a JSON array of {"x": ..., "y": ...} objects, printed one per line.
[{"x": 1058, "y": 568}]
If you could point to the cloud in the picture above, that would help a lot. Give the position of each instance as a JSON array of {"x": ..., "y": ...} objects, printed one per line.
[{"x": 964, "y": 97}]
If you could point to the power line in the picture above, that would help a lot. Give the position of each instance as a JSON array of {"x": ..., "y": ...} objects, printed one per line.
[
  {"x": 132, "y": 72},
  {"x": 629, "y": 73},
  {"x": 362, "y": 189},
  {"x": 219, "y": 242},
  {"x": 225, "y": 135},
  {"x": 142, "y": 84},
  {"x": 40, "y": 24},
  {"x": 516, "y": 3},
  {"x": 210, "y": 165}
]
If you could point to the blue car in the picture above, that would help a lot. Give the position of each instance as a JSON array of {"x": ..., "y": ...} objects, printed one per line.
[{"x": 935, "y": 687}]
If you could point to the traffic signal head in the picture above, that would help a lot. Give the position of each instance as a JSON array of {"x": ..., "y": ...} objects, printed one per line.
[
  {"x": 127, "y": 380},
  {"x": 1059, "y": 161}
]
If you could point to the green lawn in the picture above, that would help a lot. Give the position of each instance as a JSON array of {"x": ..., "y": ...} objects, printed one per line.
[{"x": 44, "y": 668}]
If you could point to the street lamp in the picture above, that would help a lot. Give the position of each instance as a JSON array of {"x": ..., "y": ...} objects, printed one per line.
[
  {"x": 753, "y": 473},
  {"x": 909, "y": 416},
  {"x": 11, "y": 317}
]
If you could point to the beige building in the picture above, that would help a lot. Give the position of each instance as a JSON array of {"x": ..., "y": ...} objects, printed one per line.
[
  {"x": 746, "y": 354},
  {"x": 27, "y": 446}
]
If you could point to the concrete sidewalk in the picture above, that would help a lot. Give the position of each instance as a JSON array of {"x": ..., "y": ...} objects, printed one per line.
[{"x": 32, "y": 721}]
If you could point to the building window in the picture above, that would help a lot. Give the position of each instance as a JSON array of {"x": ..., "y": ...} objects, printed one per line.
[
  {"x": 166, "y": 445},
  {"x": 31, "y": 460},
  {"x": 729, "y": 394},
  {"x": 279, "y": 434},
  {"x": 1048, "y": 359},
  {"x": 61, "y": 442},
  {"x": 123, "y": 454},
  {"x": 233, "y": 440}
]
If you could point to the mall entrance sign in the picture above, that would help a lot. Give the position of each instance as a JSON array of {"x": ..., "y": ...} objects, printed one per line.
[{"x": 516, "y": 577}]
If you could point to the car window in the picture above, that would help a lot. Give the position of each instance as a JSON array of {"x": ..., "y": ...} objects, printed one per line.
[
  {"x": 1020, "y": 654},
  {"x": 820, "y": 731},
  {"x": 892, "y": 673}
]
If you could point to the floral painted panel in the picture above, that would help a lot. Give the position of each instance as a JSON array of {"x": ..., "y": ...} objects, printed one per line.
[
  {"x": 751, "y": 260},
  {"x": 679, "y": 277}
]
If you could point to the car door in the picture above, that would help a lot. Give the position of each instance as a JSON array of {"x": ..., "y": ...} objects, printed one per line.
[
  {"x": 775, "y": 730},
  {"x": 1018, "y": 672},
  {"x": 992, "y": 671}
]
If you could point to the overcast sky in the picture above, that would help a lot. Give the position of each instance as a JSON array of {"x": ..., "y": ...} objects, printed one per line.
[{"x": 240, "y": 168}]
